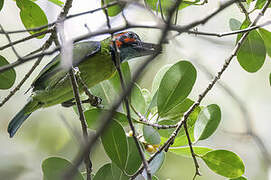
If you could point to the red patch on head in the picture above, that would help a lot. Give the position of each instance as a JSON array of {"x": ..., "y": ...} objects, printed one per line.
[{"x": 129, "y": 40}]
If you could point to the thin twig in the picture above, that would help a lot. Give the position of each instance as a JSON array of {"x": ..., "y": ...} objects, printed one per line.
[
  {"x": 26, "y": 38},
  {"x": 46, "y": 45},
  {"x": 58, "y": 21},
  {"x": 197, "y": 173},
  {"x": 243, "y": 9},
  {"x": 179, "y": 29},
  {"x": 128, "y": 115},
  {"x": 143, "y": 120},
  {"x": 93, "y": 100},
  {"x": 82, "y": 119},
  {"x": 10, "y": 42},
  {"x": 231, "y": 32}
]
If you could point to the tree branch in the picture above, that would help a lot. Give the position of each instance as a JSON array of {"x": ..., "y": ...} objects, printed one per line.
[
  {"x": 26, "y": 38},
  {"x": 82, "y": 119}
]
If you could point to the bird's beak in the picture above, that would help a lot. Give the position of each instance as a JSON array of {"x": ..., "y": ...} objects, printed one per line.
[{"x": 145, "y": 49}]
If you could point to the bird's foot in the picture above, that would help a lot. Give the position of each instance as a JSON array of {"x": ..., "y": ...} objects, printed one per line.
[
  {"x": 96, "y": 101},
  {"x": 68, "y": 103}
]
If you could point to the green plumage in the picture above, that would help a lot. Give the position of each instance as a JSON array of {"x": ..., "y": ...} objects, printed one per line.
[{"x": 94, "y": 61}]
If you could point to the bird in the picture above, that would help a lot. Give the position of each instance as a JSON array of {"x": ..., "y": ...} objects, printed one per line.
[{"x": 95, "y": 61}]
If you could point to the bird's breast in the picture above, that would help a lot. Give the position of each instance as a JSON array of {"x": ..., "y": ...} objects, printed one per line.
[{"x": 96, "y": 69}]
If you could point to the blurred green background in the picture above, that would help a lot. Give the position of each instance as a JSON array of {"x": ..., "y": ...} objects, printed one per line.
[{"x": 45, "y": 133}]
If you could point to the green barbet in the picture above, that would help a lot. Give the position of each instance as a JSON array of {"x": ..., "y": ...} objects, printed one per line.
[{"x": 95, "y": 61}]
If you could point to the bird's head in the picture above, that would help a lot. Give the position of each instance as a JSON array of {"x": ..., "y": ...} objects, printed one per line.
[{"x": 131, "y": 46}]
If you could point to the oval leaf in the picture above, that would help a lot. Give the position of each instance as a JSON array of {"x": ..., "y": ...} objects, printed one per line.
[
  {"x": 93, "y": 116},
  {"x": 1, "y": 4},
  {"x": 175, "y": 86},
  {"x": 252, "y": 52},
  {"x": 158, "y": 78},
  {"x": 7, "y": 78},
  {"x": 115, "y": 79},
  {"x": 224, "y": 163},
  {"x": 208, "y": 121},
  {"x": 110, "y": 172},
  {"x": 104, "y": 173},
  {"x": 115, "y": 144},
  {"x": 106, "y": 92},
  {"x": 155, "y": 164},
  {"x": 32, "y": 15},
  {"x": 54, "y": 167},
  {"x": 266, "y": 35},
  {"x": 151, "y": 135},
  {"x": 137, "y": 100},
  {"x": 234, "y": 24},
  {"x": 185, "y": 151},
  {"x": 166, "y": 4},
  {"x": 117, "y": 173},
  {"x": 113, "y": 10},
  {"x": 134, "y": 160}
]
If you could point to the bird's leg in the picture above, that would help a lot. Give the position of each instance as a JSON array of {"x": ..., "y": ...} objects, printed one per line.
[{"x": 93, "y": 100}]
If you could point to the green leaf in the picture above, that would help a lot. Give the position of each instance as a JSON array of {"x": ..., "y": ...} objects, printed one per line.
[
  {"x": 134, "y": 160},
  {"x": 155, "y": 164},
  {"x": 137, "y": 101},
  {"x": 266, "y": 36},
  {"x": 104, "y": 173},
  {"x": 208, "y": 121},
  {"x": 106, "y": 92},
  {"x": 117, "y": 173},
  {"x": 147, "y": 95},
  {"x": 224, "y": 163},
  {"x": 234, "y": 24},
  {"x": 166, "y": 4},
  {"x": 7, "y": 78},
  {"x": 115, "y": 144},
  {"x": 175, "y": 86},
  {"x": 153, "y": 104},
  {"x": 115, "y": 80},
  {"x": 54, "y": 167},
  {"x": 270, "y": 79},
  {"x": 93, "y": 116},
  {"x": 185, "y": 151},
  {"x": 154, "y": 178},
  {"x": 151, "y": 135},
  {"x": 181, "y": 139},
  {"x": 239, "y": 178},
  {"x": 110, "y": 172},
  {"x": 57, "y": 2},
  {"x": 260, "y": 3},
  {"x": 32, "y": 15},
  {"x": 113, "y": 10},
  {"x": 158, "y": 78},
  {"x": 252, "y": 52},
  {"x": 179, "y": 109},
  {"x": 1, "y": 4}
]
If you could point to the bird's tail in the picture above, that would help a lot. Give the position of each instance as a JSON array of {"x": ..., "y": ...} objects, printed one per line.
[{"x": 20, "y": 117}]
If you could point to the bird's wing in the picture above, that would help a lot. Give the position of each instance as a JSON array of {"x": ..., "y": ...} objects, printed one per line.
[{"x": 53, "y": 72}]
